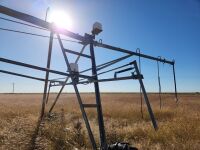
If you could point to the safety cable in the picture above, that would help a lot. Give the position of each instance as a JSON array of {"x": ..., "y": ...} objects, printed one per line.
[
  {"x": 159, "y": 84},
  {"x": 141, "y": 98}
]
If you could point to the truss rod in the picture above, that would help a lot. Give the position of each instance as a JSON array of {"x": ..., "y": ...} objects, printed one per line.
[
  {"x": 26, "y": 76},
  {"x": 107, "y": 64},
  {"x": 39, "y": 68},
  {"x": 100, "y": 67},
  {"x": 113, "y": 69},
  {"x": 21, "y": 75}
]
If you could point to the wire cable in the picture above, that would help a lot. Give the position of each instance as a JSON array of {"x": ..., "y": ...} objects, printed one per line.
[
  {"x": 34, "y": 34},
  {"x": 18, "y": 22}
]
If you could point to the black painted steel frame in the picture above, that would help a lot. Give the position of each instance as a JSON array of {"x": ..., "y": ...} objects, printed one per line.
[{"x": 85, "y": 40}]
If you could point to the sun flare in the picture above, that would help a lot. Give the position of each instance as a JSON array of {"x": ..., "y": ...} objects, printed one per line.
[{"x": 60, "y": 18}]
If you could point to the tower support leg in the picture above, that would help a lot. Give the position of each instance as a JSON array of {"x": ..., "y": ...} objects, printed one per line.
[
  {"x": 84, "y": 115},
  {"x": 98, "y": 100},
  {"x": 145, "y": 96},
  {"x": 47, "y": 75}
]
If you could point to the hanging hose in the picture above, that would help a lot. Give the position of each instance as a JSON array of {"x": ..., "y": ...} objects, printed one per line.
[
  {"x": 159, "y": 84},
  {"x": 175, "y": 89},
  {"x": 141, "y": 99}
]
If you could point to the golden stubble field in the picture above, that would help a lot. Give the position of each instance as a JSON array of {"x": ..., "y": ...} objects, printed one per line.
[{"x": 179, "y": 125}]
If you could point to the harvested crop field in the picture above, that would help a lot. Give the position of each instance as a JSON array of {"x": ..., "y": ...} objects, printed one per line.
[{"x": 179, "y": 125}]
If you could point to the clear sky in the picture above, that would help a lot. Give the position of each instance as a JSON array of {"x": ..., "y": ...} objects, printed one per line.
[{"x": 170, "y": 29}]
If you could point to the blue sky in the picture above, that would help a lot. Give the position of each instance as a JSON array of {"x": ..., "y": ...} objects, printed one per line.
[{"x": 159, "y": 28}]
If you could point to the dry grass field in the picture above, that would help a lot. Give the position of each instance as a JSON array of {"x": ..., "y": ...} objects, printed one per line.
[{"x": 179, "y": 125}]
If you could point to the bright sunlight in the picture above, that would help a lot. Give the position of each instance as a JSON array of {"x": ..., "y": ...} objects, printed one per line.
[{"x": 60, "y": 18}]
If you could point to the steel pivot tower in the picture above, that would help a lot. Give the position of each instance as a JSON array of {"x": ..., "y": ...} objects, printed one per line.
[{"x": 78, "y": 77}]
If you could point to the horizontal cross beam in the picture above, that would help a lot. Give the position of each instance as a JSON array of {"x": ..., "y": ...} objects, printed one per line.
[
  {"x": 133, "y": 53},
  {"x": 106, "y": 80}
]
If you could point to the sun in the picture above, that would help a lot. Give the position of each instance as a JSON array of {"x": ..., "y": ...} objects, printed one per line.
[{"x": 60, "y": 18}]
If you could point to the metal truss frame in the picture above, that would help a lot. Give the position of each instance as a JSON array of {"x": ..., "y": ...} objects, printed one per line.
[{"x": 87, "y": 39}]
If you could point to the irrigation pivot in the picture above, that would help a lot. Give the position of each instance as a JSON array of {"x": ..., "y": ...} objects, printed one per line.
[{"x": 77, "y": 77}]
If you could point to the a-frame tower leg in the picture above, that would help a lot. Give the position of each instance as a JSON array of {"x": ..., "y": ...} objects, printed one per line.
[{"x": 84, "y": 115}]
